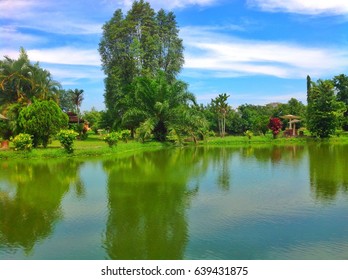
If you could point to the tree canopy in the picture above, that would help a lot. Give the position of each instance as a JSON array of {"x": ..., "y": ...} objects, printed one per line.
[
  {"x": 323, "y": 110},
  {"x": 42, "y": 119},
  {"x": 138, "y": 44}
]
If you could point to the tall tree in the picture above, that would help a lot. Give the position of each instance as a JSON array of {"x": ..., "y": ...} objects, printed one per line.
[
  {"x": 170, "y": 53},
  {"x": 77, "y": 98},
  {"x": 341, "y": 86},
  {"x": 137, "y": 45},
  {"x": 309, "y": 84},
  {"x": 324, "y": 111},
  {"x": 221, "y": 108}
]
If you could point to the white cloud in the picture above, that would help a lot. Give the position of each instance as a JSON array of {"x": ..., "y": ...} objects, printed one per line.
[
  {"x": 20, "y": 8},
  {"x": 314, "y": 7},
  {"x": 9, "y": 36},
  {"x": 227, "y": 56},
  {"x": 66, "y": 55},
  {"x": 69, "y": 75},
  {"x": 60, "y": 16}
]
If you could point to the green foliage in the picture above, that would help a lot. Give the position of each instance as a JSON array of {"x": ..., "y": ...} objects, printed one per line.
[
  {"x": 93, "y": 118},
  {"x": 20, "y": 83},
  {"x": 249, "y": 134},
  {"x": 323, "y": 111},
  {"x": 81, "y": 129},
  {"x": 254, "y": 118},
  {"x": 77, "y": 98},
  {"x": 158, "y": 105},
  {"x": 112, "y": 138},
  {"x": 190, "y": 122},
  {"x": 22, "y": 142},
  {"x": 144, "y": 131},
  {"x": 66, "y": 138},
  {"x": 221, "y": 108},
  {"x": 66, "y": 101},
  {"x": 42, "y": 119},
  {"x": 138, "y": 44},
  {"x": 341, "y": 86},
  {"x": 5, "y": 130},
  {"x": 125, "y": 135}
]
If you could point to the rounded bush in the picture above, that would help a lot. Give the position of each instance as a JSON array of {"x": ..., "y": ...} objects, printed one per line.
[
  {"x": 112, "y": 138},
  {"x": 66, "y": 138},
  {"x": 23, "y": 142}
]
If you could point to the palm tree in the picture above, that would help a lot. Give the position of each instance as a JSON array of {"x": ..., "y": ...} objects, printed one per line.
[
  {"x": 21, "y": 81},
  {"x": 15, "y": 79},
  {"x": 43, "y": 86},
  {"x": 156, "y": 103},
  {"x": 222, "y": 108},
  {"x": 77, "y": 98}
]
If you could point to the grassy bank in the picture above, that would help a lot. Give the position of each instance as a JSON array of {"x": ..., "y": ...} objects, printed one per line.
[
  {"x": 91, "y": 147},
  {"x": 94, "y": 146}
]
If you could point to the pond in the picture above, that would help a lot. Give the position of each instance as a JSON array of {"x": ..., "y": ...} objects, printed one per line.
[{"x": 268, "y": 202}]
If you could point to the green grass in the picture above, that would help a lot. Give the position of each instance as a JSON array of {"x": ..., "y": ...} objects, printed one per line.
[
  {"x": 94, "y": 146},
  {"x": 91, "y": 147}
]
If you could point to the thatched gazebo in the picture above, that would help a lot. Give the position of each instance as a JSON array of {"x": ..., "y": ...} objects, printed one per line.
[{"x": 292, "y": 124}]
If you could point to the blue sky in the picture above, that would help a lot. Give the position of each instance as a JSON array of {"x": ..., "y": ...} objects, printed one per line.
[{"x": 257, "y": 51}]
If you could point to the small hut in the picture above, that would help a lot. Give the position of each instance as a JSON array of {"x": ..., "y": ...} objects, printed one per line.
[{"x": 73, "y": 118}]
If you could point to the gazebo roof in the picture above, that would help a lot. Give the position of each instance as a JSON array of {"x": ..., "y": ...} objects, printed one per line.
[
  {"x": 290, "y": 117},
  {"x": 2, "y": 117}
]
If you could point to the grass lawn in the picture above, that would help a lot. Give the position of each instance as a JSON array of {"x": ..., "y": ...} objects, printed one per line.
[
  {"x": 92, "y": 146},
  {"x": 95, "y": 146}
]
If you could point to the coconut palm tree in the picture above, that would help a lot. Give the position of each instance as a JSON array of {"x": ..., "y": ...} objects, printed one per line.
[{"x": 77, "y": 98}]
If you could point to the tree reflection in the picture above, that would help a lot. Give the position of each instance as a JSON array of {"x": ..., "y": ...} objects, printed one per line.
[
  {"x": 30, "y": 205},
  {"x": 328, "y": 170},
  {"x": 148, "y": 195},
  {"x": 275, "y": 154}
]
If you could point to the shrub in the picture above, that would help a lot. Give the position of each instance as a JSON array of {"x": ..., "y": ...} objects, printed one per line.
[
  {"x": 125, "y": 135},
  {"x": 112, "y": 138},
  {"x": 42, "y": 119},
  {"x": 23, "y": 142},
  {"x": 249, "y": 134},
  {"x": 66, "y": 138},
  {"x": 275, "y": 125}
]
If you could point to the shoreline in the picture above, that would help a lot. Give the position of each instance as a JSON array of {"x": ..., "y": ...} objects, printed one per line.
[{"x": 95, "y": 147}]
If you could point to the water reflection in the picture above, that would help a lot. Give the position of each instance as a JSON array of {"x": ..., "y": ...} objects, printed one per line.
[
  {"x": 30, "y": 199},
  {"x": 292, "y": 154},
  {"x": 328, "y": 167},
  {"x": 148, "y": 195},
  {"x": 200, "y": 203}
]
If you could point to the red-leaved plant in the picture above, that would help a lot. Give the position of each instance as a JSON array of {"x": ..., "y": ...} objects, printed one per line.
[{"x": 275, "y": 125}]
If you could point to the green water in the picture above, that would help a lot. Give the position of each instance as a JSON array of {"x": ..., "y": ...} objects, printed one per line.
[{"x": 194, "y": 203}]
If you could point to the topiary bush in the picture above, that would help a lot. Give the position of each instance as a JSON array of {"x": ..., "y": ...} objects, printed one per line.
[
  {"x": 23, "y": 142},
  {"x": 66, "y": 138},
  {"x": 112, "y": 138}
]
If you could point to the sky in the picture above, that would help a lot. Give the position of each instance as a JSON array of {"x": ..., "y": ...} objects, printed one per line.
[{"x": 256, "y": 51}]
